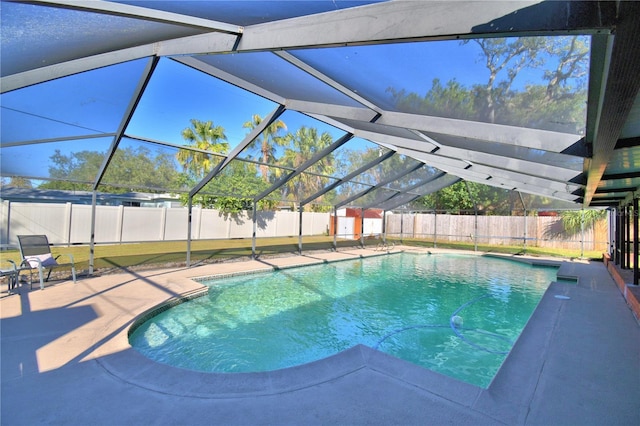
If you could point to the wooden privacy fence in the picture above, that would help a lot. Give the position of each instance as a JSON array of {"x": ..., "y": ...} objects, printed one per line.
[{"x": 534, "y": 231}]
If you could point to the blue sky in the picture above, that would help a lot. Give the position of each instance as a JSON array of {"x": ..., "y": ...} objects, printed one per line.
[
  {"x": 177, "y": 93},
  {"x": 78, "y": 105}
]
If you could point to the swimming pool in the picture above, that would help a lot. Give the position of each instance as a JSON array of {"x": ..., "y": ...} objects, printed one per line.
[{"x": 455, "y": 314}]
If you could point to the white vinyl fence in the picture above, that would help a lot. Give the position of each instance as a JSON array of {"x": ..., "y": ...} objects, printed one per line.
[{"x": 71, "y": 223}]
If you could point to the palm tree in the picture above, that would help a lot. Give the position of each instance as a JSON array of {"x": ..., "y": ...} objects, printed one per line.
[
  {"x": 305, "y": 143},
  {"x": 202, "y": 135},
  {"x": 267, "y": 141}
]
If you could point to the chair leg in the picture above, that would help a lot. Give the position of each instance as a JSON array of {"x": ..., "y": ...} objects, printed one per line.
[
  {"x": 41, "y": 274},
  {"x": 12, "y": 282}
]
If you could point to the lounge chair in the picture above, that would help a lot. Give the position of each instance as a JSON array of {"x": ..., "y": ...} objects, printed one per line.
[{"x": 36, "y": 254}]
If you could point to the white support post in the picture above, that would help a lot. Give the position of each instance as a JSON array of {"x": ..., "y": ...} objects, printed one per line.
[
  {"x": 67, "y": 223},
  {"x": 163, "y": 223}
]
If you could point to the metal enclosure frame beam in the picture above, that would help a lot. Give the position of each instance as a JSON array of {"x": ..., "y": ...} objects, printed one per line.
[
  {"x": 304, "y": 166},
  {"x": 381, "y": 184}
]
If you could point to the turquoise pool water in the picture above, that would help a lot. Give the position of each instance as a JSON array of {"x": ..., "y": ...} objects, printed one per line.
[{"x": 454, "y": 314}]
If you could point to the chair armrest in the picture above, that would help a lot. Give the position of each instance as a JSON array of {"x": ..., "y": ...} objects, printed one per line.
[{"x": 69, "y": 255}]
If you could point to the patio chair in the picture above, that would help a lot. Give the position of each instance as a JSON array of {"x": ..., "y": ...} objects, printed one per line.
[
  {"x": 36, "y": 254},
  {"x": 11, "y": 274}
]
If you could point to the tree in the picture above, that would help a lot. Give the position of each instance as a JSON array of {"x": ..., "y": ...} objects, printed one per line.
[
  {"x": 574, "y": 220},
  {"x": 141, "y": 169},
  {"x": 129, "y": 169},
  {"x": 304, "y": 144},
  {"x": 557, "y": 105},
  {"x": 509, "y": 55},
  {"x": 267, "y": 142},
  {"x": 573, "y": 63},
  {"x": 203, "y": 136},
  {"x": 233, "y": 190},
  {"x": 461, "y": 197},
  {"x": 450, "y": 101},
  {"x": 17, "y": 182}
]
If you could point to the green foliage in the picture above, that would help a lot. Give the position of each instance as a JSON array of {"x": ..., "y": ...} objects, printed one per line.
[
  {"x": 16, "y": 182},
  {"x": 266, "y": 142},
  {"x": 573, "y": 220},
  {"x": 129, "y": 169},
  {"x": 202, "y": 136},
  {"x": 558, "y": 105},
  {"x": 232, "y": 190},
  {"x": 303, "y": 145},
  {"x": 462, "y": 196},
  {"x": 452, "y": 100}
]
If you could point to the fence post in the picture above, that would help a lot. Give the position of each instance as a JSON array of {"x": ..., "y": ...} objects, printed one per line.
[
  {"x": 300, "y": 207},
  {"x": 163, "y": 223},
  {"x": 7, "y": 208},
  {"x": 189, "y": 211},
  {"x": 524, "y": 239},
  {"x": 92, "y": 236},
  {"x": 253, "y": 236},
  {"x": 335, "y": 229},
  {"x": 384, "y": 226},
  {"x": 581, "y": 233},
  {"x": 475, "y": 228},
  {"x": 435, "y": 228},
  {"x": 361, "y": 228},
  {"x": 119, "y": 224},
  {"x": 67, "y": 223}
]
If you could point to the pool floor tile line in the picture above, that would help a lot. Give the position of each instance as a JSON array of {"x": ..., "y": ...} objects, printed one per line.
[{"x": 65, "y": 359}]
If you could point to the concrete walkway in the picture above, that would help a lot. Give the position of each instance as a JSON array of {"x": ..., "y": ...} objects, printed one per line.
[{"x": 66, "y": 360}]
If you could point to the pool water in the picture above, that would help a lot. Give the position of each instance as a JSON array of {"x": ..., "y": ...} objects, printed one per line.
[{"x": 455, "y": 314}]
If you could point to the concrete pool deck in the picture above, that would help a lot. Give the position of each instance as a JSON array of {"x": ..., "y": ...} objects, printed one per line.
[{"x": 66, "y": 360}]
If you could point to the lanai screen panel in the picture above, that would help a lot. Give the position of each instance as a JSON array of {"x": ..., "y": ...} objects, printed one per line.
[
  {"x": 388, "y": 169},
  {"x": 177, "y": 94},
  {"x": 417, "y": 177},
  {"x": 73, "y": 163},
  {"x": 242, "y": 179},
  {"x": 302, "y": 187},
  {"x": 34, "y": 36},
  {"x": 399, "y": 199},
  {"x": 390, "y": 135},
  {"x": 346, "y": 191},
  {"x": 138, "y": 165},
  {"x": 373, "y": 198},
  {"x": 291, "y": 140},
  {"x": 442, "y": 79},
  {"x": 271, "y": 72},
  {"x": 71, "y": 106},
  {"x": 518, "y": 126}
]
